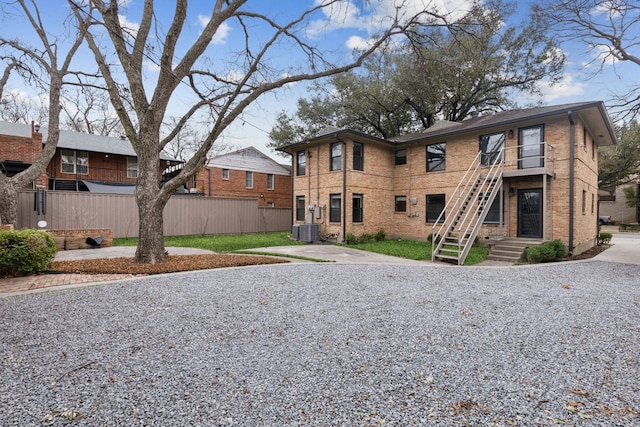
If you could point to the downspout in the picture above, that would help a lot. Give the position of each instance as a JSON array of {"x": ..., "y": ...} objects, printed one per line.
[
  {"x": 209, "y": 179},
  {"x": 571, "y": 178},
  {"x": 344, "y": 187}
]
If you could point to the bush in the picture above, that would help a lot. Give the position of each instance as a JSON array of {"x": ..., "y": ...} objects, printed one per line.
[
  {"x": 605, "y": 237},
  {"x": 380, "y": 236},
  {"x": 548, "y": 251},
  {"x": 365, "y": 238},
  {"x": 350, "y": 239},
  {"x": 24, "y": 252}
]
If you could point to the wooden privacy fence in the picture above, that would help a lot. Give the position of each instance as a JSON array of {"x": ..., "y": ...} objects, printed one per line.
[{"x": 183, "y": 215}]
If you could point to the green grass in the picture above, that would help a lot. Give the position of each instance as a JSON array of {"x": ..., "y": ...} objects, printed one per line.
[
  {"x": 412, "y": 249},
  {"x": 222, "y": 243},
  {"x": 409, "y": 249}
]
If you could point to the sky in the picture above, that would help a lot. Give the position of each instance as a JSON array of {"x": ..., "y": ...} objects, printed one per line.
[{"x": 337, "y": 33}]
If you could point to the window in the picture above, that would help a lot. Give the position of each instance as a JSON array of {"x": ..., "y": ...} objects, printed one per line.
[
  {"x": 335, "y": 202},
  {"x": 401, "y": 157},
  {"x": 531, "y": 147},
  {"x": 269, "y": 204},
  {"x": 490, "y": 146},
  {"x": 249, "y": 179},
  {"x": 358, "y": 156},
  {"x": 436, "y": 157},
  {"x": 301, "y": 162},
  {"x": 300, "y": 208},
  {"x": 225, "y": 173},
  {"x": 584, "y": 202},
  {"x": 593, "y": 203},
  {"x": 493, "y": 216},
  {"x": 435, "y": 206},
  {"x": 336, "y": 156},
  {"x": 357, "y": 208},
  {"x": 269, "y": 181},
  {"x": 72, "y": 161},
  {"x": 132, "y": 167},
  {"x": 401, "y": 204}
]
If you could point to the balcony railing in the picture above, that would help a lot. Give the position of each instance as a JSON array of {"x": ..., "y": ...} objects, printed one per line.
[{"x": 529, "y": 159}]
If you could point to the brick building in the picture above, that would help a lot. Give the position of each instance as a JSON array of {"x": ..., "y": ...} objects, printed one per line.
[
  {"x": 82, "y": 162},
  {"x": 529, "y": 173},
  {"x": 245, "y": 173}
]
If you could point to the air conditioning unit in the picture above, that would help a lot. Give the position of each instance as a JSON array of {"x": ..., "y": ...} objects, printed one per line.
[
  {"x": 309, "y": 233},
  {"x": 295, "y": 232}
]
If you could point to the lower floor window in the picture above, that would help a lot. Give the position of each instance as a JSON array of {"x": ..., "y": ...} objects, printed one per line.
[
  {"x": 335, "y": 202},
  {"x": 435, "y": 206},
  {"x": 357, "y": 208},
  {"x": 493, "y": 216},
  {"x": 300, "y": 207},
  {"x": 401, "y": 204}
]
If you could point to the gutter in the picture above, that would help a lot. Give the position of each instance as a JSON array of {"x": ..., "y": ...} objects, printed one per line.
[{"x": 572, "y": 138}]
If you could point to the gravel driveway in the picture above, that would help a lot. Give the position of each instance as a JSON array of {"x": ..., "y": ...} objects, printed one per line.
[{"x": 330, "y": 345}]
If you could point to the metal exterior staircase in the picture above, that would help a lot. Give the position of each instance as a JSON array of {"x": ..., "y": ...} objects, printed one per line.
[{"x": 453, "y": 236}]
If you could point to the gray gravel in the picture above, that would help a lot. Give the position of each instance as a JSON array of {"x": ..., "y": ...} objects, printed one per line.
[{"x": 330, "y": 345}]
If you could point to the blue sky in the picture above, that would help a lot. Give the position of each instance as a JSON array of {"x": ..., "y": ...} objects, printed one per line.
[{"x": 347, "y": 27}]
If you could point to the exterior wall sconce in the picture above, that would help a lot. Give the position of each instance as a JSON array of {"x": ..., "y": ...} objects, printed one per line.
[
  {"x": 510, "y": 133},
  {"x": 261, "y": 195},
  {"x": 37, "y": 128},
  {"x": 512, "y": 191}
]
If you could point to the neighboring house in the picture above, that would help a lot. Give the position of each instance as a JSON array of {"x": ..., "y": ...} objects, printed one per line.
[
  {"x": 613, "y": 203},
  {"x": 529, "y": 173},
  {"x": 245, "y": 173},
  {"x": 82, "y": 162}
]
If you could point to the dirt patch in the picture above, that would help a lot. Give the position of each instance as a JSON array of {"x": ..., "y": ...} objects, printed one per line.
[
  {"x": 590, "y": 253},
  {"x": 172, "y": 264}
]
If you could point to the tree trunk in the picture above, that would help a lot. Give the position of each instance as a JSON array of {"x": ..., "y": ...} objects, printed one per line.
[
  {"x": 150, "y": 233},
  {"x": 8, "y": 202}
]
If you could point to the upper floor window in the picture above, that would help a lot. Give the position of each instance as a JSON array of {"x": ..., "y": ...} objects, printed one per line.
[
  {"x": 436, "y": 157},
  {"x": 531, "y": 147},
  {"x": 490, "y": 146},
  {"x": 270, "y": 181},
  {"x": 132, "y": 167},
  {"x": 358, "y": 156},
  {"x": 401, "y": 157},
  {"x": 336, "y": 156},
  {"x": 301, "y": 162},
  {"x": 401, "y": 204},
  {"x": 225, "y": 173},
  {"x": 249, "y": 179},
  {"x": 74, "y": 161}
]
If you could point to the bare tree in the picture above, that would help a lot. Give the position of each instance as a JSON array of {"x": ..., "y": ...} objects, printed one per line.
[
  {"x": 87, "y": 109},
  {"x": 220, "y": 86},
  {"x": 32, "y": 63},
  {"x": 187, "y": 141},
  {"x": 608, "y": 29}
]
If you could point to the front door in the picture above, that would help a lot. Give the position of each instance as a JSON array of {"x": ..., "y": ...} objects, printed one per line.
[{"x": 530, "y": 213}]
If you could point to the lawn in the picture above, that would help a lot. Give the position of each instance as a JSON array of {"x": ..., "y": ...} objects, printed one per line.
[
  {"x": 419, "y": 251},
  {"x": 409, "y": 249},
  {"x": 222, "y": 243}
]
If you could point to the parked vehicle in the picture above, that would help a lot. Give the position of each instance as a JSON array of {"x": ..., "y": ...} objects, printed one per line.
[{"x": 604, "y": 219}]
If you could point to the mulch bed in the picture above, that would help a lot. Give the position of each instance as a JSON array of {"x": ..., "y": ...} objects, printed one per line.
[{"x": 172, "y": 264}]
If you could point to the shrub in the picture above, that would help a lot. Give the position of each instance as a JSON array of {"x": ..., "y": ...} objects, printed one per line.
[
  {"x": 548, "y": 251},
  {"x": 380, "y": 236},
  {"x": 365, "y": 238},
  {"x": 605, "y": 237},
  {"x": 24, "y": 252},
  {"x": 350, "y": 239}
]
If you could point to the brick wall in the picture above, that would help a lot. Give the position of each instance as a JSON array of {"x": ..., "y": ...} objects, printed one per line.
[
  {"x": 102, "y": 167},
  {"x": 213, "y": 185},
  {"x": 23, "y": 149}
]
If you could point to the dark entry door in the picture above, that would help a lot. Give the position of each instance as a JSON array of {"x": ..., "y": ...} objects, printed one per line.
[{"x": 530, "y": 213}]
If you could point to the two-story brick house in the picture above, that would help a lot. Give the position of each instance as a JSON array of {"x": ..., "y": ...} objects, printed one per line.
[
  {"x": 529, "y": 173},
  {"x": 82, "y": 162},
  {"x": 245, "y": 173}
]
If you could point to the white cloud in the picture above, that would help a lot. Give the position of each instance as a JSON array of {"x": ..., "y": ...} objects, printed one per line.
[
  {"x": 220, "y": 37},
  {"x": 565, "y": 88},
  {"x": 130, "y": 28},
  {"x": 358, "y": 43}
]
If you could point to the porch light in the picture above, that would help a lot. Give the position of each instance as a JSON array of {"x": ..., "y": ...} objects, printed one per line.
[
  {"x": 37, "y": 128},
  {"x": 512, "y": 191},
  {"x": 510, "y": 133}
]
